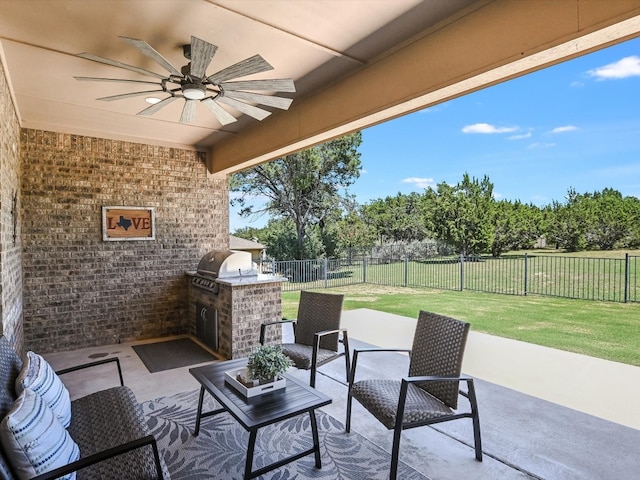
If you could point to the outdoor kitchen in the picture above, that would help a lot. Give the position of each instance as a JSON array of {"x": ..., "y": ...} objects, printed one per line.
[{"x": 229, "y": 300}]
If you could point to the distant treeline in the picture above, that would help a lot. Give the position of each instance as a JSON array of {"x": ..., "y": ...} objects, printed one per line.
[{"x": 464, "y": 219}]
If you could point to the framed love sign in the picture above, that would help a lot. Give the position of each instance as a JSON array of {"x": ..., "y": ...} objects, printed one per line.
[{"x": 128, "y": 223}]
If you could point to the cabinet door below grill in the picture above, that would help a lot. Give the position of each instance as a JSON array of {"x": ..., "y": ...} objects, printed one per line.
[{"x": 207, "y": 325}]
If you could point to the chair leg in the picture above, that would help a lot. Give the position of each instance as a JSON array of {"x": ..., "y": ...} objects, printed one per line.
[
  {"x": 475, "y": 418},
  {"x": 476, "y": 436},
  {"x": 312, "y": 379},
  {"x": 347, "y": 427},
  {"x": 347, "y": 355},
  {"x": 395, "y": 452},
  {"x": 397, "y": 430},
  {"x": 314, "y": 360},
  {"x": 352, "y": 377}
]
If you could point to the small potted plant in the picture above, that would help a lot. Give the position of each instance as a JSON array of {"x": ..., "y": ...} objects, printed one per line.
[{"x": 266, "y": 364}]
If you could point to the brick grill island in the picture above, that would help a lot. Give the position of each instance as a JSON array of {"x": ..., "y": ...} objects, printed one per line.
[{"x": 229, "y": 300}]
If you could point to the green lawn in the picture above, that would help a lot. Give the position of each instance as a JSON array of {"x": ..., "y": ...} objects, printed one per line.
[{"x": 601, "y": 329}]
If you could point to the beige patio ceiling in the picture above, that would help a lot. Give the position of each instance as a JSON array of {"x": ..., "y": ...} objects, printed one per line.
[{"x": 355, "y": 63}]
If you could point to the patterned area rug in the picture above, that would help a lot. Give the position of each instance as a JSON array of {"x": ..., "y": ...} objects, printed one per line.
[{"x": 219, "y": 451}]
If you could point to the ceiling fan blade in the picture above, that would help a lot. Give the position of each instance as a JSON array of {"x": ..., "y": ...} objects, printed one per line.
[
  {"x": 115, "y": 63},
  {"x": 154, "y": 108},
  {"x": 255, "y": 112},
  {"x": 224, "y": 117},
  {"x": 150, "y": 52},
  {"x": 248, "y": 66},
  {"x": 127, "y": 95},
  {"x": 274, "y": 85},
  {"x": 188, "y": 111},
  {"x": 201, "y": 54},
  {"x": 117, "y": 80},
  {"x": 270, "y": 101}
]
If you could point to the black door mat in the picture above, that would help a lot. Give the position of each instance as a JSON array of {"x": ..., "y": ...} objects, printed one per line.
[{"x": 170, "y": 354}]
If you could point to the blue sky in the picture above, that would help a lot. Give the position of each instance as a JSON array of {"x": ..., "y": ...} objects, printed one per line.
[{"x": 576, "y": 124}]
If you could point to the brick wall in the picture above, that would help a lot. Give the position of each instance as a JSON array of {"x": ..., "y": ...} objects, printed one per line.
[
  {"x": 252, "y": 305},
  {"x": 10, "y": 203},
  {"x": 81, "y": 291}
]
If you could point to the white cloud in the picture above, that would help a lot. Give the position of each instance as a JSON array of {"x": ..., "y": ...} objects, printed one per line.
[
  {"x": 420, "y": 182},
  {"x": 541, "y": 145},
  {"x": 363, "y": 171},
  {"x": 520, "y": 137},
  {"x": 627, "y": 67},
  {"x": 487, "y": 128},
  {"x": 566, "y": 128},
  {"x": 577, "y": 84}
]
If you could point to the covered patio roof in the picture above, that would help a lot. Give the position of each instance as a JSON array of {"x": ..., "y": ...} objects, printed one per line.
[{"x": 354, "y": 63}]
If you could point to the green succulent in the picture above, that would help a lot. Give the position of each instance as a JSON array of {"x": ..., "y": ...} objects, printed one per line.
[{"x": 268, "y": 362}]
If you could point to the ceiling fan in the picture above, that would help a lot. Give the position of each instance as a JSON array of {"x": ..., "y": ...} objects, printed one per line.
[{"x": 193, "y": 85}]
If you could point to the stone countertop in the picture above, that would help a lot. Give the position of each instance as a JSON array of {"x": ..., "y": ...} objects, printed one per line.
[
  {"x": 246, "y": 279},
  {"x": 250, "y": 279}
]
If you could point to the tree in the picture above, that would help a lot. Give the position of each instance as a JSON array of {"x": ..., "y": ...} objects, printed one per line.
[
  {"x": 632, "y": 206},
  {"x": 568, "y": 222},
  {"x": 248, "y": 233},
  {"x": 598, "y": 221},
  {"x": 279, "y": 235},
  {"x": 516, "y": 226},
  {"x": 608, "y": 219},
  {"x": 303, "y": 187},
  {"x": 354, "y": 234},
  {"x": 399, "y": 218},
  {"x": 461, "y": 215}
]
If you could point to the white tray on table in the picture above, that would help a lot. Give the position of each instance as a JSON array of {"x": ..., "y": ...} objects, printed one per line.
[{"x": 248, "y": 392}]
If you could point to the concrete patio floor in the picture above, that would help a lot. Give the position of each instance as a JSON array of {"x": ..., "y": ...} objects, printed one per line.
[{"x": 524, "y": 436}]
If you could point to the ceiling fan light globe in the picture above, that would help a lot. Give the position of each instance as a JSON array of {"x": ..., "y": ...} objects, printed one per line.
[{"x": 193, "y": 91}]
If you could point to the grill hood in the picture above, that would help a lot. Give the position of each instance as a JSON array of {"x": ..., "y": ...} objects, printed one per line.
[{"x": 226, "y": 263}]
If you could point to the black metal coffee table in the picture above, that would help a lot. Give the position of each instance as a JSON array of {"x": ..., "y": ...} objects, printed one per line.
[{"x": 257, "y": 412}]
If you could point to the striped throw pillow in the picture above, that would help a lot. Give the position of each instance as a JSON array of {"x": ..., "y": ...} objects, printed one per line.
[
  {"x": 33, "y": 438},
  {"x": 37, "y": 375}
]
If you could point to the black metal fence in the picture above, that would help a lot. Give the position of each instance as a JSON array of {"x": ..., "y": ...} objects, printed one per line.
[{"x": 588, "y": 278}]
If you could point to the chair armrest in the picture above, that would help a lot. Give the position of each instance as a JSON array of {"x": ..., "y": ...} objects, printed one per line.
[
  {"x": 318, "y": 335},
  {"x": 357, "y": 351},
  {"x": 436, "y": 378},
  {"x": 316, "y": 347},
  {"x": 93, "y": 364},
  {"x": 105, "y": 455},
  {"x": 381, "y": 349},
  {"x": 329, "y": 332},
  {"x": 264, "y": 326}
]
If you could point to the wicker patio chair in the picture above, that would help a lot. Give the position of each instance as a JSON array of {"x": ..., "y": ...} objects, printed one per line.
[
  {"x": 430, "y": 393},
  {"x": 316, "y": 333}
]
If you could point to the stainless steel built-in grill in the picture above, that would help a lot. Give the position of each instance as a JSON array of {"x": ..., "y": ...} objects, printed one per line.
[
  {"x": 229, "y": 302},
  {"x": 221, "y": 264},
  {"x": 214, "y": 266}
]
